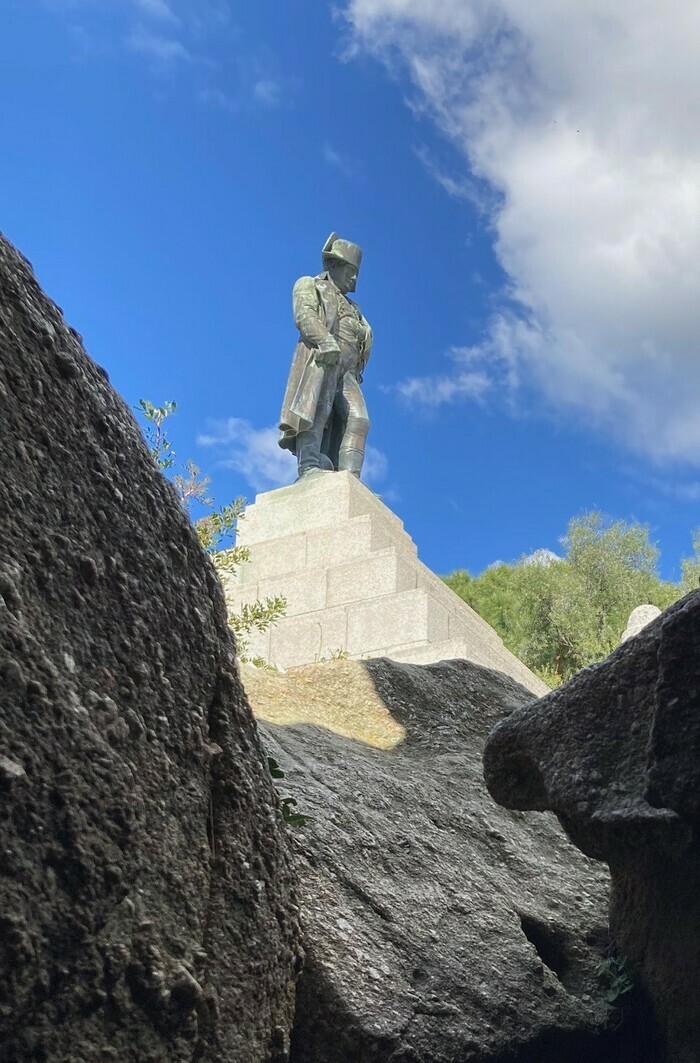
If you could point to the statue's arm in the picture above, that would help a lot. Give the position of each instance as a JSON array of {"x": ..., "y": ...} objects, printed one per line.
[
  {"x": 308, "y": 313},
  {"x": 366, "y": 350},
  {"x": 308, "y": 316}
]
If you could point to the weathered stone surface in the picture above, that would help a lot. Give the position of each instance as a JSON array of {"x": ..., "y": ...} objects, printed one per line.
[
  {"x": 438, "y": 927},
  {"x": 145, "y": 907},
  {"x": 639, "y": 618},
  {"x": 616, "y": 754}
]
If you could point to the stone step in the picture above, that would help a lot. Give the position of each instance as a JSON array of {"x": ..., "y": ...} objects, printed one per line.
[
  {"x": 374, "y": 576},
  {"x": 500, "y": 659},
  {"x": 425, "y": 652},
  {"x": 322, "y": 501},
  {"x": 353, "y": 584},
  {"x": 377, "y": 574},
  {"x": 318, "y": 548},
  {"x": 345, "y": 541},
  {"x": 273, "y": 559},
  {"x": 410, "y": 616},
  {"x": 361, "y": 628},
  {"x": 307, "y": 638}
]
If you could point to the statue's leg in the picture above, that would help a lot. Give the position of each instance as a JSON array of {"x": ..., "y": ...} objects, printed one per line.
[
  {"x": 352, "y": 406},
  {"x": 309, "y": 456}
]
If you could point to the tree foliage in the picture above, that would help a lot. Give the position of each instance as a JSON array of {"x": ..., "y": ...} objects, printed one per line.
[
  {"x": 161, "y": 448},
  {"x": 566, "y": 613},
  {"x": 690, "y": 566},
  {"x": 216, "y": 530}
]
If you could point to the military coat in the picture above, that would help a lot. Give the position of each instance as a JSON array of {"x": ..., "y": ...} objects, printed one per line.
[{"x": 317, "y": 315}]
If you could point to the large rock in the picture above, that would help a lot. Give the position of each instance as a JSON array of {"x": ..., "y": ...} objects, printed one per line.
[
  {"x": 437, "y": 926},
  {"x": 638, "y": 619},
  {"x": 616, "y": 754},
  {"x": 145, "y": 906}
]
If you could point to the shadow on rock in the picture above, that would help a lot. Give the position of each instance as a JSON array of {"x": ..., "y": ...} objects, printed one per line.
[{"x": 438, "y": 926}]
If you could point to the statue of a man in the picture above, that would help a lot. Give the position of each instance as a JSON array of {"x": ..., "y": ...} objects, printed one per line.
[{"x": 324, "y": 418}]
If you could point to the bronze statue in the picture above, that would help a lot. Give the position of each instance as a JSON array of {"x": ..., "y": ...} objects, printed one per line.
[{"x": 324, "y": 418}]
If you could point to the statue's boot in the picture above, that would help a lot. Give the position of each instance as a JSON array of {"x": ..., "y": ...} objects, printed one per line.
[
  {"x": 350, "y": 459},
  {"x": 312, "y": 473},
  {"x": 309, "y": 456},
  {"x": 309, "y": 443},
  {"x": 352, "y": 448}
]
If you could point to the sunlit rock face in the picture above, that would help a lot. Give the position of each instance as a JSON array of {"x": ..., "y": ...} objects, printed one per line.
[
  {"x": 616, "y": 754},
  {"x": 638, "y": 619},
  {"x": 146, "y": 911},
  {"x": 438, "y": 926}
]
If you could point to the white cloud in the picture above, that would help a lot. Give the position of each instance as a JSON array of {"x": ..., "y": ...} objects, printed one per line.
[
  {"x": 541, "y": 558},
  {"x": 161, "y": 49},
  {"x": 376, "y": 465},
  {"x": 464, "y": 382},
  {"x": 197, "y": 41},
  {"x": 676, "y": 488},
  {"x": 349, "y": 165},
  {"x": 333, "y": 157},
  {"x": 158, "y": 9},
  {"x": 267, "y": 92},
  {"x": 253, "y": 452},
  {"x": 216, "y": 97},
  {"x": 686, "y": 492},
  {"x": 64, "y": 7},
  {"x": 457, "y": 187},
  {"x": 260, "y": 94},
  {"x": 436, "y": 390},
  {"x": 580, "y": 117},
  {"x": 207, "y": 16},
  {"x": 251, "y": 89},
  {"x": 153, "y": 8}
]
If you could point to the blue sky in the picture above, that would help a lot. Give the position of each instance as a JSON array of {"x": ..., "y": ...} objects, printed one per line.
[{"x": 530, "y": 217}]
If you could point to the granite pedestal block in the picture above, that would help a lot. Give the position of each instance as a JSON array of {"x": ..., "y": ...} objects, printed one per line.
[{"x": 353, "y": 583}]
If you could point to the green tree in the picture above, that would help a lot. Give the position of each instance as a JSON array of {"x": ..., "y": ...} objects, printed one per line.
[
  {"x": 562, "y": 615},
  {"x": 216, "y": 530},
  {"x": 494, "y": 595},
  {"x": 690, "y": 566}
]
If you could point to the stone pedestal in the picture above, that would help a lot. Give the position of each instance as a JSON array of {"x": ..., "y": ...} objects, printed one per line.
[{"x": 353, "y": 582}]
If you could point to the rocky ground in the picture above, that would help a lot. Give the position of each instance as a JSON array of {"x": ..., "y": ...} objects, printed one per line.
[{"x": 437, "y": 925}]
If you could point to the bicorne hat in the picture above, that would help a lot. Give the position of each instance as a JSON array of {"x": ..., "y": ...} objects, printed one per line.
[{"x": 337, "y": 250}]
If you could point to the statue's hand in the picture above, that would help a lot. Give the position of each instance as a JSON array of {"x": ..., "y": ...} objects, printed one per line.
[{"x": 327, "y": 353}]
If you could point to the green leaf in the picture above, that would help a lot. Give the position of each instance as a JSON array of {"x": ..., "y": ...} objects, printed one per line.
[
  {"x": 293, "y": 819},
  {"x": 216, "y": 530},
  {"x": 275, "y": 770}
]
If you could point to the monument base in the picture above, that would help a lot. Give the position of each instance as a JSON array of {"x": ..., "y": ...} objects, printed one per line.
[{"x": 353, "y": 584}]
